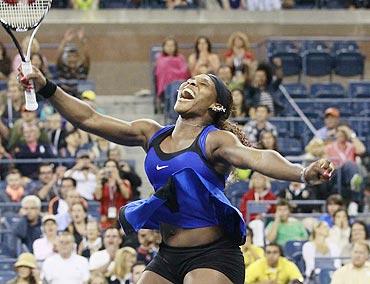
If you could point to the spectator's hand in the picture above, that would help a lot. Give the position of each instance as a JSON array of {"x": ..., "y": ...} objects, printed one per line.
[
  {"x": 115, "y": 175},
  {"x": 69, "y": 35},
  {"x": 319, "y": 172},
  {"x": 81, "y": 34},
  {"x": 60, "y": 171},
  {"x": 36, "y": 275},
  {"x": 79, "y": 165},
  {"x": 38, "y": 78}
]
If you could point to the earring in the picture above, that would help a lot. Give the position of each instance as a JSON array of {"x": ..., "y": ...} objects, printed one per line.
[{"x": 218, "y": 108}]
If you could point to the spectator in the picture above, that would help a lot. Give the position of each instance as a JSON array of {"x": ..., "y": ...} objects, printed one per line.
[
  {"x": 268, "y": 140},
  {"x": 123, "y": 263},
  {"x": 28, "y": 228},
  {"x": 46, "y": 186},
  {"x": 226, "y": 73},
  {"x": 300, "y": 192},
  {"x": 239, "y": 55},
  {"x": 264, "y": 5},
  {"x": 251, "y": 252},
  {"x": 46, "y": 246},
  {"x": 5, "y": 63},
  {"x": 84, "y": 172},
  {"x": 318, "y": 246},
  {"x": 100, "y": 149},
  {"x": 255, "y": 127},
  {"x": 85, "y": 5},
  {"x": 333, "y": 204},
  {"x": 203, "y": 60},
  {"x": 147, "y": 250},
  {"x": 4, "y": 168},
  {"x": 97, "y": 278},
  {"x": 103, "y": 260},
  {"x": 239, "y": 107},
  {"x": 73, "y": 60},
  {"x": 112, "y": 192},
  {"x": 73, "y": 144},
  {"x": 285, "y": 228},
  {"x": 14, "y": 189},
  {"x": 38, "y": 61},
  {"x": 77, "y": 227},
  {"x": 262, "y": 90},
  {"x": 170, "y": 66},
  {"x": 55, "y": 131},
  {"x": 359, "y": 232},
  {"x": 93, "y": 242},
  {"x": 331, "y": 121},
  {"x": 127, "y": 172},
  {"x": 339, "y": 233},
  {"x": 358, "y": 271},
  {"x": 58, "y": 204},
  {"x": 274, "y": 268},
  {"x": 136, "y": 272},
  {"x": 259, "y": 190},
  {"x": 64, "y": 218},
  {"x": 31, "y": 149},
  {"x": 15, "y": 99},
  {"x": 65, "y": 266},
  {"x": 115, "y": 153},
  {"x": 178, "y": 4},
  {"x": 26, "y": 268},
  {"x": 35, "y": 48}
]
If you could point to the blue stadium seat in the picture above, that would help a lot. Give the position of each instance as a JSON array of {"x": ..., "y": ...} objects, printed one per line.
[
  {"x": 327, "y": 90},
  {"x": 53, "y": 71},
  {"x": 3, "y": 85},
  {"x": 170, "y": 97},
  {"x": 93, "y": 209},
  {"x": 349, "y": 63},
  {"x": 277, "y": 186},
  {"x": 293, "y": 251},
  {"x": 290, "y": 146},
  {"x": 274, "y": 46},
  {"x": 6, "y": 264},
  {"x": 112, "y": 4},
  {"x": 314, "y": 45},
  {"x": 340, "y": 46},
  {"x": 5, "y": 276},
  {"x": 292, "y": 62},
  {"x": 317, "y": 63},
  {"x": 235, "y": 191},
  {"x": 296, "y": 90},
  {"x": 359, "y": 89},
  {"x": 324, "y": 276}
]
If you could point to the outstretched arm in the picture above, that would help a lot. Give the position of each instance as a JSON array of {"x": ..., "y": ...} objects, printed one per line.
[
  {"x": 226, "y": 148},
  {"x": 81, "y": 115}
]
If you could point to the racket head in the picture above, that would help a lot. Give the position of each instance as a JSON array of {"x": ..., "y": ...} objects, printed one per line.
[{"x": 23, "y": 15}]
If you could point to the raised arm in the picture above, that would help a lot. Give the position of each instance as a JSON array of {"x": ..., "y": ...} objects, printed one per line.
[
  {"x": 224, "y": 147},
  {"x": 81, "y": 115}
]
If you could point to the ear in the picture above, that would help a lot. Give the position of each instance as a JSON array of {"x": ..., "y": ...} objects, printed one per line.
[{"x": 217, "y": 107}]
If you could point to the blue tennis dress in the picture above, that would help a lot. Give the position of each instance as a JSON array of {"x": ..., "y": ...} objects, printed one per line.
[{"x": 189, "y": 193}]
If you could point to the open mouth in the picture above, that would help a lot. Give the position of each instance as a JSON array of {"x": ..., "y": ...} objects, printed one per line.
[{"x": 186, "y": 94}]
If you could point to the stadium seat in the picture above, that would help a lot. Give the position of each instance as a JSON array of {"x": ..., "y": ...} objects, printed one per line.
[
  {"x": 324, "y": 276},
  {"x": 340, "y": 46},
  {"x": 292, "y": 62},
  {"x": 3, "y": 85},
  {"x": 5, "y": 276},
  {"x": 290, "y": 146},
  {"x": 6, "y": 264},
  {"x": 274, "y": 46},
  {"x": 359, "y": 89},
  {"x": 293, "y": 251},
  {"x": 277, "y": 186},
  {"x": 317, "y": 63},
  {"x": 170, "y": 96},
  {"x": 53, "y": 71},
  {"x": 314, "y": 45},
  {"x": 349, "y": 63},
  {"x": 112, "y": 4},
  {"x": 296, "y": 90},
  {"x": 235, "y": 191},
  {"x": 93, "y": 209},
  {"x": 327, "y": 90}
]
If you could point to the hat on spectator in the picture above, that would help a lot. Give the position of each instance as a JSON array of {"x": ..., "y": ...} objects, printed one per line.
[
  {"x": 88, "y": 95},
  {"x": 100, "y": 259},
  {"x": 82, "y": 153},
  {"x": 26, "y": 259},
  {"x": 49, "y": 217},
  {"x": 332, "y": 111}
]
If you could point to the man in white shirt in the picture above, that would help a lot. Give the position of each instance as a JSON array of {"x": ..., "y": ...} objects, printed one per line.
[
  {"x": 102, "y": 260},
  {"x": 65, "y": 266}
]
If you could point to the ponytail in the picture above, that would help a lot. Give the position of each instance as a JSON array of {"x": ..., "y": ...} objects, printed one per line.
[{"x": 233, "y": 128}]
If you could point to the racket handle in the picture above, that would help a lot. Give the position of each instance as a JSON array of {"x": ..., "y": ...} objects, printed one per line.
[{"x": 30, "y": 95}]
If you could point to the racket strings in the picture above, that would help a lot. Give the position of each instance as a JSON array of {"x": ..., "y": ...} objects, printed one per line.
[{"x": 23, "y": 14}]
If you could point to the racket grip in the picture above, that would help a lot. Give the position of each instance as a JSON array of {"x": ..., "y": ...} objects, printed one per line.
[{"x": 30, "y": 95}]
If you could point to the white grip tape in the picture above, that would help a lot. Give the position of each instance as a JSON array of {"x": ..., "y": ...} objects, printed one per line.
[{"x": 30, "y": 95}]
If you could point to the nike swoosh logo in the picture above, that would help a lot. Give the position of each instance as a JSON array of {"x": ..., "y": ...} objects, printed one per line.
[{"x": 161, "y": 167}]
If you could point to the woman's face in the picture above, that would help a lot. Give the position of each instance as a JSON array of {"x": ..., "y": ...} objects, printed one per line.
[
  {"x": 238, "y": 42},
  {"x": 358, "y": 233},
  {"x": 202, "y": 45},
  {"x": 24, "y": 272},
  {"x": 237, "y": 98},
  {"x": 195, "y": 96},
  {"x": 268, "y": 140},
  {"x": 322, "y": 230},
  {"x": 130, "y": 259},
  {"x": 259, "y": 182},
  {"x": 111, "y": 166},
  {"x": 50, "y": 228},
  {"x": 169, "y": 47},
  {"x": 78, "y": 213},
  {"x": 341, "y": 137},
  {"x": 92, "y": 231}
]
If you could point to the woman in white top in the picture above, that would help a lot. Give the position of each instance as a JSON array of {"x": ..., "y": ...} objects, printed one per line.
[
  {"x": 318, "y": 246},
  {"x": 45, "y": 246},
  {"x": 339, "y": 233}
]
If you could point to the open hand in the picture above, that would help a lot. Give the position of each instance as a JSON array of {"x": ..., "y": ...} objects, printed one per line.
[{"x": 319, "y": 172}]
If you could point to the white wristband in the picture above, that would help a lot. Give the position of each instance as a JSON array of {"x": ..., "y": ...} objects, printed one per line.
[{"x": 303, "y": 178}]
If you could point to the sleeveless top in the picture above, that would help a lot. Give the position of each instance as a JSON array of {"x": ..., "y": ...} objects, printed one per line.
[{"x": 189, "y": 193}]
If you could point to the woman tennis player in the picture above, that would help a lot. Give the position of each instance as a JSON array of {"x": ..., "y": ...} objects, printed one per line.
[{"x": 187, "y": 164}]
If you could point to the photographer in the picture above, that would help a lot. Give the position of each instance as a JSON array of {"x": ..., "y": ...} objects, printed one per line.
[{"x": 112, "y": 192}]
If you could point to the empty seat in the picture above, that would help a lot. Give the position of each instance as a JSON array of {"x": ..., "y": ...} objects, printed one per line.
[
  {"x": 3, "y": 85},
  {"x": 314, "y": 45},
  {"x": 296, "y": 90},
  {"x": 290, "y": 146},
  {"x": 292, "y": 62},
  {"x": 359, "y": 89},
  {"x": 347, "y": 45},
  {"x": 277, "y": 186},
  {"x": 274, "y": 46},
  {"x": 327, "y": 90},
  {"x": 234, "y": 192},
  {"x": 349, "y": 63},
  {"x": 317, "y": 63},
  {"x": 293, "y": 251}
]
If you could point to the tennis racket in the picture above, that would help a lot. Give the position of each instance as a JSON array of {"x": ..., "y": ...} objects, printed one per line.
[{"x": 22, "y": 16}]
